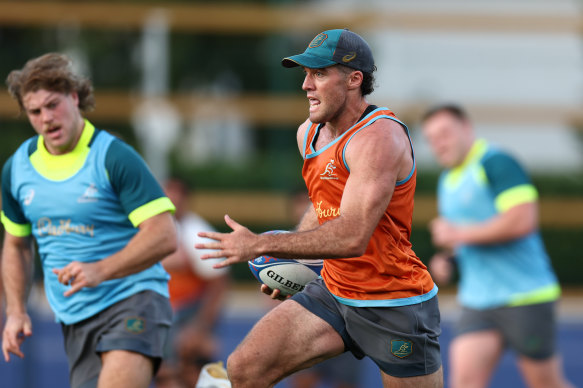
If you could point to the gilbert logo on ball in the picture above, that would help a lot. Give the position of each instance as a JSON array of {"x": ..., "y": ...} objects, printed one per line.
[{"x": 287, "y": 276}]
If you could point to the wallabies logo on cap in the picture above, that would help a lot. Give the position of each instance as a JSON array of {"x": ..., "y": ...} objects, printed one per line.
[{"x": 318, "y": 40}]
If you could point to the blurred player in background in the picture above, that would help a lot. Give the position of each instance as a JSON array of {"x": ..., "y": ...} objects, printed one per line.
[
  {"x": 101, "y": 223},
  {"x": 489, "y": 223},
  {"x": 197, "y": 293},
  {"x": 375, "y": 297}
]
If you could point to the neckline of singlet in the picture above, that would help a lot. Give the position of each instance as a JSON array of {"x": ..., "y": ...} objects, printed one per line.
[{"x": 366, "y": 112}]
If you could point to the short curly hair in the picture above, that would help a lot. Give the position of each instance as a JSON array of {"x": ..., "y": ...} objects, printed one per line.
[
  {"x": 368, "y": 79},
  {"x": 52, "y": 72}
]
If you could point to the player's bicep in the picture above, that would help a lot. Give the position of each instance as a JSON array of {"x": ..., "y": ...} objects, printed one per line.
[
  {"x": 374, "y": 159},
  {"x": 509, "y": 182},
  {"x": 17, "y": 242},
  {"x": 15, "y": 248},
  {"x": 12, "y": 217}
]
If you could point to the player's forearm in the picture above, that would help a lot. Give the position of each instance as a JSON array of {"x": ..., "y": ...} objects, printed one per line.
[
  {"x": 510, "y": 225},
  {"x": 151, "y": 244},
  {"x": 334, "y": 239},
  {"x": 17, "y": 269}
]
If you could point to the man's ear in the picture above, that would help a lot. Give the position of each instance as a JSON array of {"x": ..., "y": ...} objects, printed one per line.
[{"x": 355, "y": 79}]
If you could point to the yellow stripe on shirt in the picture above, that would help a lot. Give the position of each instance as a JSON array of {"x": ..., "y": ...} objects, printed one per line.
[
  {"x": 151, "y": 209},
  {"x": 514, "y": 196},
  {"x": 18, "y": 230}
]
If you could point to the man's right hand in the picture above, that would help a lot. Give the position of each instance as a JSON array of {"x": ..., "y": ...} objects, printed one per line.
[
  {"x": 441, "y": 268},
  {"x": 274, "y": 294},
  {"x": 16, "y": 329}
]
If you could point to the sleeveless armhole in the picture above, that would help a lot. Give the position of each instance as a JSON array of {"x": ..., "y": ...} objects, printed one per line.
[
  {"x": 311, "y": 137},
  {"x": 305, "y": 146},
  {"x": 398, "y": 183}
]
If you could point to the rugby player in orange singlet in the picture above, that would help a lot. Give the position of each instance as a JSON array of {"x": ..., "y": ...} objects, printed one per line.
[{"x": 375, "y": 297}]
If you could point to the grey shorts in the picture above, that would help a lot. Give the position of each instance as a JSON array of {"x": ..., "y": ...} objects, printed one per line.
[
  {"x": 402, "y": 341},
  {"x": 528, "y": 330},
  {"x": 139, "y": 324}
]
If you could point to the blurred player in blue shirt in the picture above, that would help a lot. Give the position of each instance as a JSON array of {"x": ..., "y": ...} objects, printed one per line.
[
  {"x": 488, "y": 224},
  {"x": 101, "y": 223}
]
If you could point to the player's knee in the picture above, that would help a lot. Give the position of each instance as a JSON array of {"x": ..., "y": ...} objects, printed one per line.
[
  {"x": 245, "y": 370},
  {"x": 239, "y": 369}
]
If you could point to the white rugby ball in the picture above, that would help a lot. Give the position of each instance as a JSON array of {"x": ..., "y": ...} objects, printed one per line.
[{"x": 287, "y": 276}]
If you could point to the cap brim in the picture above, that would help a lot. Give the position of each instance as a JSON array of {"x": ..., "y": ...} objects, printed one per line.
[{"x": 306, "y": 60}]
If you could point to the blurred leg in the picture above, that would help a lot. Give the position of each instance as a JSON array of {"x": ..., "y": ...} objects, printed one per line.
[
  {"x": 168, "y": 378},
  {"x": 304, "y": 379},
  {"x": 123, "y": 369},
  {"x": 473, "y": 357},
  {"x": 543, "y": 373},
  {"x": 434, "y": 380}
]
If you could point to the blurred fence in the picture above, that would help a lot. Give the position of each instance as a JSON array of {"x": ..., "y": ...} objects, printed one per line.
[{"x": 248, "y": 38}]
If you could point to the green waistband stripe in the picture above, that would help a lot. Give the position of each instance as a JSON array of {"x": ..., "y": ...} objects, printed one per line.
[{"x": 541, "y": 295}]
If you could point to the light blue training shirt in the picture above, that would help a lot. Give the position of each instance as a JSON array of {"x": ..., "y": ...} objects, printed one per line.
[
  {"x": 83, "y": 206},
  {"x": 517, "y": 272}
]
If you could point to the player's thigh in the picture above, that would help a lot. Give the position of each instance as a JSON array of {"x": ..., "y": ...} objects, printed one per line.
[
  {"x": 547, "y": 373},
  {"x": 125, "y": 369},
  {"x": 401, "y": 340},
  {"x": 433, "y": 380},
  {"x": 529, "y": 330},
  {"x": 139, "y": 323},
  {"x": 473, "y": 357},
  {"x": 287, "y": 339}
]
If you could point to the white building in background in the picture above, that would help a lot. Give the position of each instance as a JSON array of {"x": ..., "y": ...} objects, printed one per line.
[{"x": 522, "y": 83}]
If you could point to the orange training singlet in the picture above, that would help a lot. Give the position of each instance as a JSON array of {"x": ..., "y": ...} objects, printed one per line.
[{"x": 389, "y": 273}]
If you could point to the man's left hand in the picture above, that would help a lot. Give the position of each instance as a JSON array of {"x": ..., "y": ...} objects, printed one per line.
[
  {"x": 237, "y": 247},
  {"x": 78, "y": 275},
  {"x": 444, "y": 234}
]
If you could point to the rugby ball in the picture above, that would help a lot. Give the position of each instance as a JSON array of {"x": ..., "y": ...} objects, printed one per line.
[{"x": 287, "y": 276}]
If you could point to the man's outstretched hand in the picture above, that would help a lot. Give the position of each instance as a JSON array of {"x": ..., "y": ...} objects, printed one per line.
[{"x": 237, "y": 247}]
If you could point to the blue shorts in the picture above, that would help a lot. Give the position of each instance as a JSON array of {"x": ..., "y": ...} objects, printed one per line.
[{"x": 402, "y": 341}]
